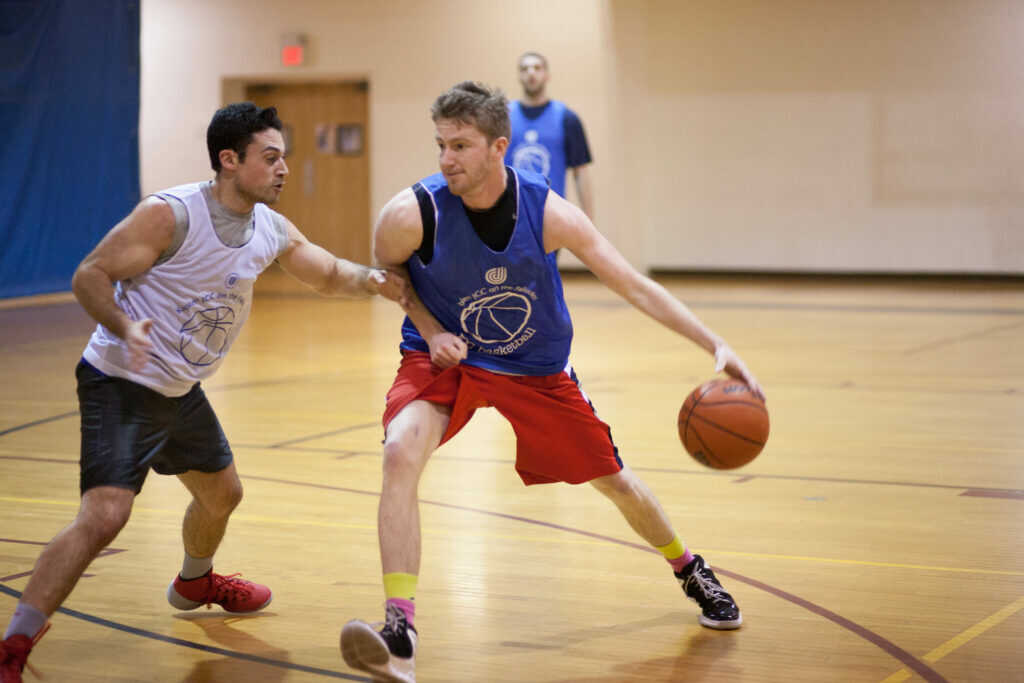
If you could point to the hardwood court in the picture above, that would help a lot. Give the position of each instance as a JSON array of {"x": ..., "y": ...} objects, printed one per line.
[{"x": 877, "y": 537}]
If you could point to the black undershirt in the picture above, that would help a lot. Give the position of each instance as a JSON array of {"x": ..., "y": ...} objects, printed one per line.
[{"x": 493, "y": 226}]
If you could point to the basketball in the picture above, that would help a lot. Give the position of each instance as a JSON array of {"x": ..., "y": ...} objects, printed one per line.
[{"x": 722, "y": 424}]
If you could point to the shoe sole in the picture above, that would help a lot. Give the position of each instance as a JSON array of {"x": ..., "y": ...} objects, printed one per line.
[
  {"x": 720, "y": 625},
  {"x": 363, "y": 649},
  {"x": 180, "y": 602}
]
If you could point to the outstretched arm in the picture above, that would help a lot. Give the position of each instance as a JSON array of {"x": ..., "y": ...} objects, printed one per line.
[
  {"x": 315, "y": 266},
  {"x": 129, "y": 249},
  {"x": 398, "y": 234},
  {"x": 566, "y": 226}
]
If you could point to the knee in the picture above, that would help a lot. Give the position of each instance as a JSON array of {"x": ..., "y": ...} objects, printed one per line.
[
  {"x": 618, "y": 486},
  {"x": 225, "y": 499},
  {"x": 102, "y": 517},
  {"x": 402, "y": 462}
]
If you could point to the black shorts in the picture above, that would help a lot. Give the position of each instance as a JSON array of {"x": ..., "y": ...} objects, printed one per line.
[{"x": 128, "y": 428}]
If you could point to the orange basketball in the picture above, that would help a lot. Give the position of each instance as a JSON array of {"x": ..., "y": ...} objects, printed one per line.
[{"x": 722, "y": 424}]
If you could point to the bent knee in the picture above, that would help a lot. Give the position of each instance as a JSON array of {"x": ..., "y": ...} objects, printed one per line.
[
  {"x": 402, "y": 459},
  {"x": 225, "y": 499},
  {"x": 622, "y": 484},
  {"x": 104, "y": 512}
]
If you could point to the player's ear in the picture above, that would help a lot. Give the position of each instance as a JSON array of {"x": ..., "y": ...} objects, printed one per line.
[
  {"x": 500, "y": 145},
  {"x": 228, "y": 159}
]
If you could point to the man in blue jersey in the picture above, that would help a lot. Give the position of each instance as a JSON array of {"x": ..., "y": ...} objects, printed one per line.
[
  {"x": 547, "y": 137},
  {"x": 488, "y": 326},
  {"x": 170, "y": 287}
]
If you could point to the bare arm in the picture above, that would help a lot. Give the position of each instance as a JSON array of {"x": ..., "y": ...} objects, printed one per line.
[
  {"x": 584, "y": 189},
  {"x": 313, "y": 265},
  {"x": 129, "y": 249},
  {"x": 565, "y": 226},
  {"x": 398, "y": 233}
]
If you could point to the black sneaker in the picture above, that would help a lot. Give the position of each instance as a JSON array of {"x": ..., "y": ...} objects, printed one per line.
[
  {"x": 718, "y": 609},
  {"x": 389, "y": 654}
]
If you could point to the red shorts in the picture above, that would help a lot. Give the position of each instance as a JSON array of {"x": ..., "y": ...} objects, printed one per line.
[{"x": 558, "y": 436}]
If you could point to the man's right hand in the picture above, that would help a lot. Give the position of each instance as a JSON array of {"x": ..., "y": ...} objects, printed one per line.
[
  {"x": 447, "y": 350},
  {"x": 136, "y": 338}
]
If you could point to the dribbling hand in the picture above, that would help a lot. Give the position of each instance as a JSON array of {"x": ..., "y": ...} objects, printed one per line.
[{"x": 726, "y": 359}]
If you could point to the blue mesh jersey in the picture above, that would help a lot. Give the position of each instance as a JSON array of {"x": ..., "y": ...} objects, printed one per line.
[
  {"x": 507, "y": 305},
  {"x": 547, "y": 139}
]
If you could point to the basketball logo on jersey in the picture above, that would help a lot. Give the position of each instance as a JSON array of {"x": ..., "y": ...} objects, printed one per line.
[
  {"x": 530, "y": 155},
  {"x": 496, "y": 319},
  {"x": 496, "y": 275},
  {"x": 204, "y": 337}
]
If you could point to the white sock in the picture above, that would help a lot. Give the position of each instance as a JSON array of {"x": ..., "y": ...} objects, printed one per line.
[
  {"x": 27, "y": 620},
  {"x": 194, "y": 567}
]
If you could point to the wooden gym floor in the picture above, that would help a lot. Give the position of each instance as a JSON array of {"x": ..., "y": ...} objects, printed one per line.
[{"x": 877, "y": 538}]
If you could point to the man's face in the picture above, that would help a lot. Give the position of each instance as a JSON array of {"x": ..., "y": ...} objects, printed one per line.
[
  {"x": 464, "y": 155},
  {"x": 261, "y": 176},
  {"x": 533, "y": 75}
]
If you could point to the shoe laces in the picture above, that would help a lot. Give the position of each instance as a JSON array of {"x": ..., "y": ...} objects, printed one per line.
[
  {"x": 708, "y": 585},
  {"x": 225, "y": 587},
  {"x": 394, "y": 630},
  {"x": 395, "y": 621}
]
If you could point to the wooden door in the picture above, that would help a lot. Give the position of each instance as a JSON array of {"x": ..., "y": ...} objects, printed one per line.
[{"x": 327, "y": 195}]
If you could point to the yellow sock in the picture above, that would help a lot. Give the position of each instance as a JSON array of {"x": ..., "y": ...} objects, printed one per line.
[
  {"x": 399, "y": 585},
  {"x": 676, "y": 553}
]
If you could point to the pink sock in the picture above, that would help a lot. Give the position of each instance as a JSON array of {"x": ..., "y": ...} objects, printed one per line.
[
  {"x": 681, "y": 561},
  {"x": 407, "y": 606}
]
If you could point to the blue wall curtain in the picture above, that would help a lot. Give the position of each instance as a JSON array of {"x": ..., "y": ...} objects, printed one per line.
[{"x": 69, "y": 112}]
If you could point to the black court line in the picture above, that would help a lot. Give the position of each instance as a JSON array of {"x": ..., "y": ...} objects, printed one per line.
[
  {"x": 99, "y": 621},
  {"x": 939, "y": 343}
]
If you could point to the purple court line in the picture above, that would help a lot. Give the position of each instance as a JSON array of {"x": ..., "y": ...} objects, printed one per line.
[
  {"x": 946, "y": 341},
  {"x": 333, "y": 432},
  {"x": 31, "y": 458},
  {"x": 890, "y": 648},
  {"x": 103, "y": 553},
  {"x": 1012, "y": 494},
  {"x": 52, "y": 418},
  {"x": 909, "y": 660}
]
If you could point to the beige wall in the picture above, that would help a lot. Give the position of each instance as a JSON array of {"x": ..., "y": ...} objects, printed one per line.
[{"x": 863, "y": 135}]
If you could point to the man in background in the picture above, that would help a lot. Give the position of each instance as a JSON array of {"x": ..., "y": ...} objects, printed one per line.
[{"x": 547, "y": 136}]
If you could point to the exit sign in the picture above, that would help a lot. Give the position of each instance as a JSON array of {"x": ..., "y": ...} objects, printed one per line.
[{"x": 293, "y": 49}]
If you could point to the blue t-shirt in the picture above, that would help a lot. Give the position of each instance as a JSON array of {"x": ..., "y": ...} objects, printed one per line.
[
  {"x": 547, "y": 139},
  {"x": 507, "y": 305}
]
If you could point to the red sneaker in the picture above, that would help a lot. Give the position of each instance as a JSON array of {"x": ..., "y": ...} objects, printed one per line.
[
  {"x": 14, "y": 655},
  {"x": 231, "y": 593}
]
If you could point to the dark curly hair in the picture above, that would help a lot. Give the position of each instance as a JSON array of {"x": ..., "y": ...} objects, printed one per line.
[{"x": 233, "y": 126}]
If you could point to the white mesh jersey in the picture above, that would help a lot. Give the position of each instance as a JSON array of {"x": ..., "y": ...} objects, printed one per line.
[{"x": 198, "y": 301}]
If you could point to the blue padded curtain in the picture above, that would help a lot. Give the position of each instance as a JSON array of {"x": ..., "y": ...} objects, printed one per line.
[{"x": 69, "y": 112}]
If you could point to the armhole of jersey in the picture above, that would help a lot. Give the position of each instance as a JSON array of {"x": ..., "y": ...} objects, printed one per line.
[
  {"x": 280, "y": 232},
  {"x": 429, "y": 218},
  {"x": 180, "y": 227}
]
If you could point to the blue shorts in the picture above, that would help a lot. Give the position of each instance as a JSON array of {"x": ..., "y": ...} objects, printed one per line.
[{"x": 128, "y": 429}]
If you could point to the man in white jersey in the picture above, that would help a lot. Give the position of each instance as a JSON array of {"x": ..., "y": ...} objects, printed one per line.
[{"x": 171, "y": 287}]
